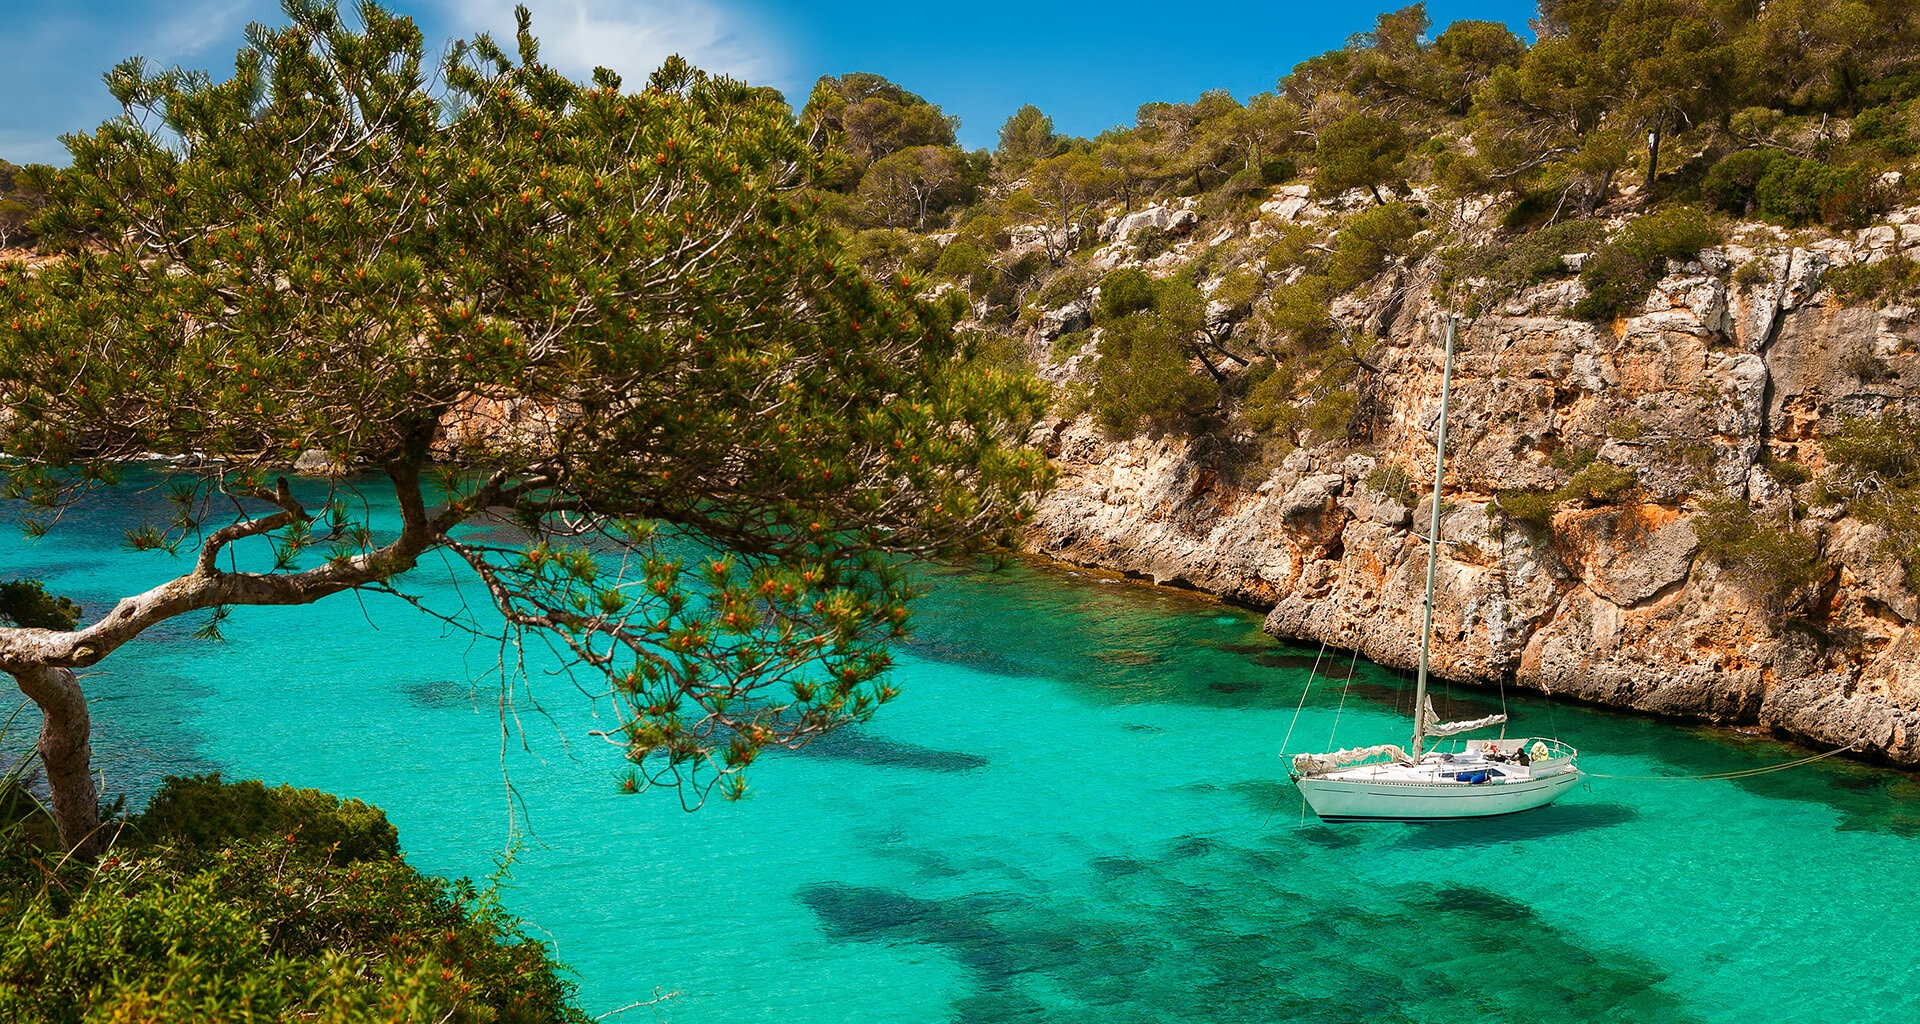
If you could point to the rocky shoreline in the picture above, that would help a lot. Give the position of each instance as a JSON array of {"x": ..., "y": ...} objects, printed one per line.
[{"x": 1720, "y": 374}]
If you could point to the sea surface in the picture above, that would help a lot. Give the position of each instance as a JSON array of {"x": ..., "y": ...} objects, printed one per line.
[{"x": 1076, "y": 812}]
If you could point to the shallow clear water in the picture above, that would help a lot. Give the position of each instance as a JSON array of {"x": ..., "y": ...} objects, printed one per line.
[{"x": 1075, "y": 812}]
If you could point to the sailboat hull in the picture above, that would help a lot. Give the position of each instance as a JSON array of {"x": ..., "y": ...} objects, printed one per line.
[{"x": 1360, "y": 795}]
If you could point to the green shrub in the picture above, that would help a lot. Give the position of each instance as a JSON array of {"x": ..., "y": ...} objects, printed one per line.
[
  {"x": 1532, "y": 209},
  {"x": 1393, "y": 482},
  {"x": 1297, "y": 312},
  {"x": 1238, "y": 290},
  {"x": 1875, "y": 473},
  {"x": 1787, "y": 473},
  {"x": 1796, "y": 191},
  {"x": 1530, "y": 507},
  {"x": 960, "y": 260},
  {"x": 1892, "y": 278},
  {"x": 1886, "y": 130},
  {"x": 1125, "y": 291},
  {"x": 1762, "y": 553},
  {"x": 1731, "y": 183},
  {"x": 196, "y": 813},
  {"x": 1368, "y": 241},
  {"x": 1620, "y": 274},
  {"x": 1592, "y": 482},
  {"x": 1573, "y": 460},
  {"x": 1069, "y": 285},
  {"x": 1601, "y": 483},
  {"x": 1754, "y": 271},
  {"x": 1144, "y": 377},
  {"x": 1524, "y": 260},
  {"x": 252, "y": 916},
  {"x": 1268, "y": 407}
]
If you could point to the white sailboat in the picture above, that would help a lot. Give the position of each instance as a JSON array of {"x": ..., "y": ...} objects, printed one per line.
[{"x": 1488, "y": 777}]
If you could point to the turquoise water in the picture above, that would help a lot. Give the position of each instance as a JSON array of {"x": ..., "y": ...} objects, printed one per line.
[{"x": 1075, "y": 812}]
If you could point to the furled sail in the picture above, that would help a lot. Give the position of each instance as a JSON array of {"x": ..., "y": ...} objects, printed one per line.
[
  {"x": 1439, "y": 728},
  {"x": 1314, "y": 764}
]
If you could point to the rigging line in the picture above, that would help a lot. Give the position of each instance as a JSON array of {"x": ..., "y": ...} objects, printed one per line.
[
  {"x": 1303, "y": 698},
  {"x": 1290, "y": 725},
  {"x": 1719, "y": 776},
  {"x": 1335, "y": 731}
]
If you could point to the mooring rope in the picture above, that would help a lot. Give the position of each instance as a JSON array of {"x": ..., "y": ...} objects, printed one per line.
[{"x": 1717, "y": 776}]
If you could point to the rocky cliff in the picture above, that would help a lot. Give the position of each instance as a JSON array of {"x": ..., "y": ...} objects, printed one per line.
[{"x": 1737, "y": 359}]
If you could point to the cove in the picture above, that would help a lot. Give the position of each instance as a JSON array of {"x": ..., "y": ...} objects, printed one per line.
[{"x": 1075, "y": 812}]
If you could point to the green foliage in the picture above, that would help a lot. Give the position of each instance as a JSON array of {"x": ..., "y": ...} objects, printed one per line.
[
  {"x": 960, "y": 260},
  {"x": 1269, "y": 405},
  {"x": 1573, "y": 460},
  {"x": 253, "y": 918},
  {"x": 1297, "y": 313},
  {"x": 1526, "y": 260},
  {"x": 1359, "y": 151},
  {"x": 1144, "y": 376},
  {"x": 1126, "y": 290},
  {"x": 26, "y": 603},
  {"x": 1367, "y": 243},
  {"x": 1533, "y": 508},
  {"x": 1070, "y": 284},
  {"x": 200, "y": 813},
  {"x": 1591, "y": 482},
  {"x": 1892, "y": 279},
  {"x": 1763, "y": 553},
  {"x": 1026, "y": 138},
  {"x": 1393, "y": 482},
  {"x": 1795, "y": 191},
  {"x": 354, "y": 253},
  {"x": 1064, "y": 192},
  {"x": 1754, "y": 271},
  {"x": 889, "y": 252},
  {"x": 1787, "y": 473},
  {"x": 1731, "y": 184},
  {"x": 22, "y": 194},
  {"x": 1875, "y": 472},
  {"x": 909, "y": 187},
  {"x": 1620, "y": 274},
  {"x": 1600, "y": 483},
  {"x": 1888, "y": 130},
  {"x": 855, "y": 120}
]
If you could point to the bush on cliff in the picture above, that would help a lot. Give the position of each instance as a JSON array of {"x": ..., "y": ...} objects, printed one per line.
[
  {"x": 1762, "y": 552},
  {"x": 1875, "y": 472},
  {"x": 239, "y": 902},
  {"x": 1619, "y": 276},
  {"x": 1886, "y": 280}
]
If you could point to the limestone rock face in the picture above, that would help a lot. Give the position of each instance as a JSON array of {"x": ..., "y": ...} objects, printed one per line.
[
  {"x": 1718, "y": 377},
  {"x": 489, "y": 423}
]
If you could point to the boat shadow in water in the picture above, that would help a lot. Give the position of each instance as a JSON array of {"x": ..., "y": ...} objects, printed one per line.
[{"x": 1541, "y": 823}]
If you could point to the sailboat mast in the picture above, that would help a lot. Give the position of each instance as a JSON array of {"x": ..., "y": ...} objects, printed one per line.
[{"x": 1433, "y": 543}]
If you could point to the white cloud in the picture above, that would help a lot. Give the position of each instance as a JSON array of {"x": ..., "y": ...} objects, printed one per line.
[
  {"x": 188, "y": 31},
  {"x": 631, "y": 37}
]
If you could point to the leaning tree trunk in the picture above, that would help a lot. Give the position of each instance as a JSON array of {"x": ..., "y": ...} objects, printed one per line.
[{"x": 66, "y": 754}]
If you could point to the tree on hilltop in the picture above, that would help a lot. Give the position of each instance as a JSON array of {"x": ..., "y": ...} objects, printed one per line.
[
  {"x": 326, "y": 253},
  {"x": 1026, "y": 138}
]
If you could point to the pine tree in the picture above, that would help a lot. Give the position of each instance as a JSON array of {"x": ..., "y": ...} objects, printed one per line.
[{"x": 324, "y": 253}]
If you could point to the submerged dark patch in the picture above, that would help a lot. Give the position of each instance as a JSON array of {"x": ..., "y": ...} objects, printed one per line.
[
  {"x": 439, "y": 693},
  {"x": 847, "y": 745}
]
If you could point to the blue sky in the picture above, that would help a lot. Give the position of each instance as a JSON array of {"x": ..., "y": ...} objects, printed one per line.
[{"x": 1087, "y": 64}]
